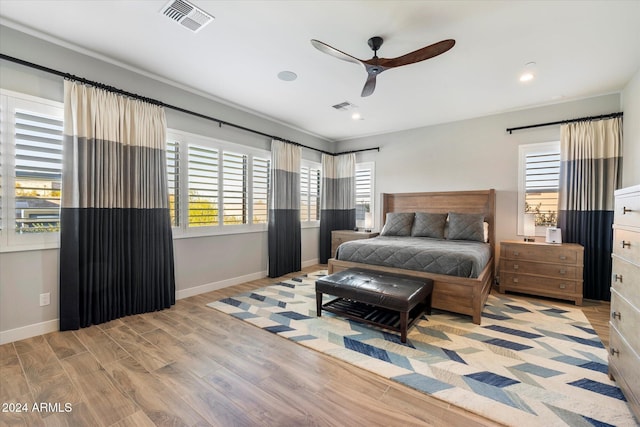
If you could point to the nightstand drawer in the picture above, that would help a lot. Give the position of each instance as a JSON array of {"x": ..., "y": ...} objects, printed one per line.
[
  {"x": 531, "y": 284},
  {"x": 547, "y": 253},
  {"x": 339, "y": 237},
  {"x": 529, "y": 267}
]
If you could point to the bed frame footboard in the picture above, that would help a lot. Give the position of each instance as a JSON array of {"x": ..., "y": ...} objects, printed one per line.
[{"x": 455, "y": 294}]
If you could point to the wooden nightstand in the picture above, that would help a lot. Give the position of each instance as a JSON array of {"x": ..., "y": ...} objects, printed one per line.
[
  {"x": 340, "y": 236},
  {"x": 544, "y": 269}
]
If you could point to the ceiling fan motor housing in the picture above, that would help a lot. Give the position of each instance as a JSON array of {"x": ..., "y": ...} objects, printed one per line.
[{"x": 375, "y": 43}]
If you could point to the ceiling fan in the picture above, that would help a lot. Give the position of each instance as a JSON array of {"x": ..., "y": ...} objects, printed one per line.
[{"x": 375, "y": 65}]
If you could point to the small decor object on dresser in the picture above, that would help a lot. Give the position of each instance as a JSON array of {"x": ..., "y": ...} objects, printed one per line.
[
  {"x": 545, "y": 269},
  {"x": 624, "y": 344}
]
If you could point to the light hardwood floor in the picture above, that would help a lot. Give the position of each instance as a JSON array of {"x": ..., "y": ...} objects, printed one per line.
[{"x": 194, "y": 366}]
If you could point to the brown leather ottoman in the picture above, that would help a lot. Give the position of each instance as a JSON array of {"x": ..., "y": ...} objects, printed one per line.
[{"x": 383, "y": 299}]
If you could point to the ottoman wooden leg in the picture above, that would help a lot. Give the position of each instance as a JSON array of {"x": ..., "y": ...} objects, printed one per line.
[
  {"x": 404, "y": 321},
  {"x": 318, "y": 304}
]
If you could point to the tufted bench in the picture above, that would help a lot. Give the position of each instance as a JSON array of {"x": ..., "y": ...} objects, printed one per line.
[{"x": 382, "y": 299}]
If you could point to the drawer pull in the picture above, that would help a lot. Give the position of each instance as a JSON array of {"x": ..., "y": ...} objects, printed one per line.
[
  {"x": 626, "y": 244},
  {"x": 617, "y": 278},
  {"x": 563, "y": 257},
  {"x": 614, "y": 352},
  {"x": 616, "y": 314},
  {"x": 563, "y": 271},
  {"x": 515, "y": 266},
  {"x": 515, "y": 280},
  {"x": 625, "y": 210},
  {"x": 516, "y": 253},
  {"x": 563, "y": 286}
]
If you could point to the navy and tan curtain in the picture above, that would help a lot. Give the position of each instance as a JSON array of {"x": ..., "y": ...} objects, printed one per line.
[
  {"x": 589, "y": 174},
  {"x": 116, "y": 248},
  {"x": 285, "y": 245},
  {"x": 337, "y": 199}
]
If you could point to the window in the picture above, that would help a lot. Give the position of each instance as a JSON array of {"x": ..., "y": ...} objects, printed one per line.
[
  {"x": 30, "y": 171},
  {"x": 202, "y": 186},
  {"x": 173, "y": 181},
  {"x": 539, "y": 184},
  {"x": 234, "y": 204},
  {"x": 310, "y": 192},
  {"x": 260, "y": 184},
  {"x": 216, "y": 187},
  {"x": 364, "y": 195}
]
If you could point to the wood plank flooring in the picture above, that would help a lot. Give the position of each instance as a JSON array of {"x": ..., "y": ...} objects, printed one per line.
[{"x": 194, "y": 366}]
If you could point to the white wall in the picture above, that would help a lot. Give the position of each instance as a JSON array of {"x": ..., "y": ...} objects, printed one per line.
[
  {"x": 201, "y": 263},
  {"x": 631, "y": 132},
  {"x": 471, "y": 154}
]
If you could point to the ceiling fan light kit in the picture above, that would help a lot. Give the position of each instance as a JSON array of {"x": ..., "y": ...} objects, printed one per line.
[{"x": 376, "y": 66}]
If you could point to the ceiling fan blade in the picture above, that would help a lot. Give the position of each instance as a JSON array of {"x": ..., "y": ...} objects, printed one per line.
[
  {"x": 418, "y": 55},
  {"x": 369, "y": 86},
  {"x": 323, "y": 47}
]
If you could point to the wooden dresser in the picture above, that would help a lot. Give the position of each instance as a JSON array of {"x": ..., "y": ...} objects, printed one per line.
[
  {"x": 338, "y": 237},
  {"x": 544, "y": 269},
  {"x": 624, "y": 323}
]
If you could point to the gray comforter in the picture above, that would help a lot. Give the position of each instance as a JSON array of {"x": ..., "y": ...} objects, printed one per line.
[{"x": 449, "y": 257}]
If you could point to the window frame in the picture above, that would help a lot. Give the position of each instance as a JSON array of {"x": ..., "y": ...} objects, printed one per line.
[
  {"x": 372, "y": 193},
  {"x": 182, "y": 230},
  {"x": 523, "y": 151},
  {"x": 10, "y": 240}
]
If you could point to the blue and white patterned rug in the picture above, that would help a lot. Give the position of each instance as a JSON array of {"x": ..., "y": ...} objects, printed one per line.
[{"x": 528, "y": 364}]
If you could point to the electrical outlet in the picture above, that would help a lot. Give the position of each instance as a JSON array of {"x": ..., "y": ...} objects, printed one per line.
[{"x": 45, "y": 299}]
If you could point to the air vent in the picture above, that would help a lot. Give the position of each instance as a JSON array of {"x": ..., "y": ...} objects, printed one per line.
[
  {"x": 344, "y": 106},
  {"x": 186, "y": 15}
]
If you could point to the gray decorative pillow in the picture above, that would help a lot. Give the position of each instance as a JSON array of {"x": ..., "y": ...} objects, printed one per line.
[
  {"x": 466, "y": 227},
  {"x": 398, "y": 224},
  {"x": 429, "y": 225}
]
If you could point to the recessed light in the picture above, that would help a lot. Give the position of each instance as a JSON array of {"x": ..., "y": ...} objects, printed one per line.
[
  {"x": 525, "y": 77},
  {"x": 356, "y": 116},
  {"x": 527, "y": 74},
  {"x": 287, "y": 76}
]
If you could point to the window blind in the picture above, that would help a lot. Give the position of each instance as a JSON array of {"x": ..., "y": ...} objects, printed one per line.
[
  {"x": 203, "y": 186},
  {"x": 234, "y": 204},
  {"x": 260, "y": 182},
  {"x": 38, "y": 171}
]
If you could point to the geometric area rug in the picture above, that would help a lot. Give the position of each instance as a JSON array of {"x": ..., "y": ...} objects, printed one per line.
[{"x": 530, "y": 363}]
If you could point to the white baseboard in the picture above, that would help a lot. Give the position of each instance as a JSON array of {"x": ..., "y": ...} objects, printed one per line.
[
  {"x": 29, "y": 331},
  {"x": 214, "y": 286},
  {"x": 310, "y": 263}
]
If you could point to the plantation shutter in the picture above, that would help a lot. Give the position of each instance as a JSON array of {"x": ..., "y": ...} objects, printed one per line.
[
  {"x": 542, "y": 181},
  {"x": 234, "y": 169},
  {"x": 38, "y": 171},
  {"x": 260, "y": 190},
  {"x": 203, "y": 186}
]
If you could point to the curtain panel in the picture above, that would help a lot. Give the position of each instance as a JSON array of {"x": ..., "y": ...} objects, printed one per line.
[
  {"x": 590, "y": 166},
  {"x": 116, "y": 246},
  {"x": 337, "y": 199},
  {"x": 284, "y": 236}
]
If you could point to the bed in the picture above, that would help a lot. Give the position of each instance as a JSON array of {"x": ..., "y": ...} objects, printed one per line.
[{"x": 465, "y": 291}]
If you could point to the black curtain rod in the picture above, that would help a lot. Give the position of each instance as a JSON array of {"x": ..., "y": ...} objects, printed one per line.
[
  {"x": 562, "y": 122},
  {"x": 162, "y": 104}
]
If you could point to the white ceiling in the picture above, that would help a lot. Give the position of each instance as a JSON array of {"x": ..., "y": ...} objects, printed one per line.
[{"x": 581, "y": 49}]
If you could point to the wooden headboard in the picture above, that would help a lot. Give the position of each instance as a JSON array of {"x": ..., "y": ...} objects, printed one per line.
[{"x": 481, "y": 201}]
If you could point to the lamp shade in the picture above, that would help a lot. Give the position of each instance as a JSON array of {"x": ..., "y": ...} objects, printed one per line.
[{"x": 529, "y": 225}]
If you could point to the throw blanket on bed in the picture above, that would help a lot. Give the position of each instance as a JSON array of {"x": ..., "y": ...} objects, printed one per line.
[{"x": 449, "y": 257}]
